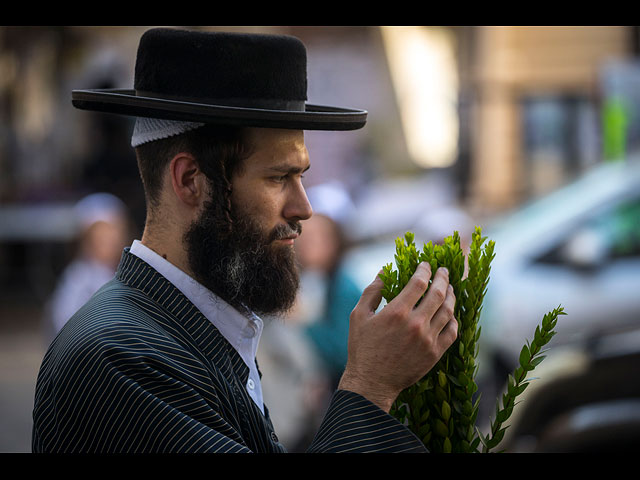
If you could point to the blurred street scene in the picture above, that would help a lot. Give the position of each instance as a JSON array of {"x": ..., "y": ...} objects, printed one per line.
[{"x": 532, "y": 133}]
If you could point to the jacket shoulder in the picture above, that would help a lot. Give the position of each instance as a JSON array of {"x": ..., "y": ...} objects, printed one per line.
[
  {"x": 116, "y": 319},
  {"x": 116, "y": 306}
]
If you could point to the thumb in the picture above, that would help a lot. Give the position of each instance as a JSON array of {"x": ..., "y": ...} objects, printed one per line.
[{"x": 372, "y": 295}]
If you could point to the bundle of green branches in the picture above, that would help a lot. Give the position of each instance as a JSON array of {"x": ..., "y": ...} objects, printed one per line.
[{"x": 442, "y": 408}]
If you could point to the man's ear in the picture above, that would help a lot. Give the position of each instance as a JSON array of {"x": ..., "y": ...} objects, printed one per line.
[{"x": 187, "y": 180}]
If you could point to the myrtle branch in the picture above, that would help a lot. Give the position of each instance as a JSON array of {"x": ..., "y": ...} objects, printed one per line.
[{"x": 442, "y": 408}]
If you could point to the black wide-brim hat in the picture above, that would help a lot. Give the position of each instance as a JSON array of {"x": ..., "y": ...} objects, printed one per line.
[{"x": 255, "y": 80}]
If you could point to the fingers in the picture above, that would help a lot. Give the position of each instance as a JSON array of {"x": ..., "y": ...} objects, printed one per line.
[
  {"x": 437, "y": 294},
  {"x": 417, "y": 285},
  {"x": 450, "y": 332},
  {"x": 438, "y": 307},
  {"x": 444, "y": 314}
]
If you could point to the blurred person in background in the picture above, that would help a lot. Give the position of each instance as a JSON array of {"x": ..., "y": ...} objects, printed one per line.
[
  {"x": 162, "y": 358},
  {"x": 295, "y": 385},
  {"x": 103, "y": 231}
]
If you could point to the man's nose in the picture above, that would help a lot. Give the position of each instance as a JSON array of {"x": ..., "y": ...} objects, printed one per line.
[{"x": 298, "y": 206}]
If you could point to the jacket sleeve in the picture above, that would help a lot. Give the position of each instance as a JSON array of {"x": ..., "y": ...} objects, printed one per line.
[{"x": 353, "y": 424}]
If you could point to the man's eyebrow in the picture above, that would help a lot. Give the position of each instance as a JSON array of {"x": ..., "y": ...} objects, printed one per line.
[{"x": 285, "y": 168}]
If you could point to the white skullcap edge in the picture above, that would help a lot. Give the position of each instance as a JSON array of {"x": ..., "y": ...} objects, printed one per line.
[{"x": 150, "y": 129}]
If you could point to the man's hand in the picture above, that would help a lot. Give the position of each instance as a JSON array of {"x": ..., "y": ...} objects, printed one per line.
[{"x": 391, "y": 350}]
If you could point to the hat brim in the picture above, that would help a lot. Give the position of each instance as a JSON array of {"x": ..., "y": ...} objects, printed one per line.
[{"x": 126, "y": 102}]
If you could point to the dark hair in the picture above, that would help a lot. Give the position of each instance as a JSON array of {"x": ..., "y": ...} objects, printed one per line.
[{"x": 219, "y": 151}]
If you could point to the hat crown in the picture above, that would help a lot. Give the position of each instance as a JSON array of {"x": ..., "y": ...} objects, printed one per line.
[
  {"x": 219, "y": 66},
  {"x": 224, "y": 78}
]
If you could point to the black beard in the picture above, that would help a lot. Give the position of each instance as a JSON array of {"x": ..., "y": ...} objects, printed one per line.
[{"x": 244, "y": 267}]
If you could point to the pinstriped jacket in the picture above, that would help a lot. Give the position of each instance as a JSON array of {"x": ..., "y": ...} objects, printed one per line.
[{"x": 140, "y": 369}]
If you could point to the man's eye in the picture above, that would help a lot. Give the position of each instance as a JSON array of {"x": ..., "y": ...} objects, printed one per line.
[{"x": 284, "y": 178}]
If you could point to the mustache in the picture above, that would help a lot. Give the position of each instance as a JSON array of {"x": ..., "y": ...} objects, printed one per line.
[{"x": 285, "y": 230}]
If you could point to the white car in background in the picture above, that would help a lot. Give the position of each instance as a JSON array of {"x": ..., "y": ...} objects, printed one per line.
[{"x": 578, "y": 247}]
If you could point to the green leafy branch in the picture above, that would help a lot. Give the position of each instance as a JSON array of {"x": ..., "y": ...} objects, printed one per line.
[
  {"x": 530, "y": 357},
  {"x": 442, "y": 408}
]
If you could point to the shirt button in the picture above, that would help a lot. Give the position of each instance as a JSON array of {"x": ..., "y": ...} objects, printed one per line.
[{"x": 250, "y": 384}]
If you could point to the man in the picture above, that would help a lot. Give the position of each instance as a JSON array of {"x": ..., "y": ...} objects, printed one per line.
[{"x": 162, "y": 358}]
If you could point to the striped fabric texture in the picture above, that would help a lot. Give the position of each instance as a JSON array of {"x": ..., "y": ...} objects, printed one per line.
[{"x": 140, "y": 369}]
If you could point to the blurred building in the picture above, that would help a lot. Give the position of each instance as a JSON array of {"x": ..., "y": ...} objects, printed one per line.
[{"x": 535, "y": 102}]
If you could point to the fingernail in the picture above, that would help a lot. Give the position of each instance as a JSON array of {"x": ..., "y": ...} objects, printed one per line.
[{"x": 444, "y": 269}]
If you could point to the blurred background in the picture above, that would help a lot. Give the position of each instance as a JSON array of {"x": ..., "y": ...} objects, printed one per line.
[{"x": 529, "y": 132}]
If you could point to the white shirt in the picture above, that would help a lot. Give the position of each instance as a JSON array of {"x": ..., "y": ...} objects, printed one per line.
[{"x": 242, "y": 332}]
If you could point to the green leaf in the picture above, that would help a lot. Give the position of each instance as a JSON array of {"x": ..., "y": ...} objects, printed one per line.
[
  {"x": 465, "y": 447},
  {"x": 473, "y": 447},
  {"x": 422, "y": 387},
  {"x": 425, "y": 416},
  {"x": 453, "y": 379},
  {"x": 521, "y": 388},
  {"x": 481, "y": 437},
  {"x": 442, "y": 378},
  {"x": 519, "y": 373},
  {"x": 446, "y": 411},
  {"x": 440, "y": 428},
  {"x": 496, "y": 438},
  {"x": 463, "y": 379},
  {"x": 525, "y": 356},
  {"x": 511, "y": 385},
  {"x": 409, "y": 236},
  {"x": 446, "y": 446},
  {"x": 536, "y": 361},
  {"x": 441, "y": 394}
]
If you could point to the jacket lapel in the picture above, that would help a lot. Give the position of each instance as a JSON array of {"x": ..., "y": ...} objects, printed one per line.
[
  {"x": 184, "y": 321},
  {"x": 187, "y": 324}
]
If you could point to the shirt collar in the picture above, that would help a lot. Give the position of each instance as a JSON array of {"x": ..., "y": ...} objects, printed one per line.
[{"x": 241, "y": 331}]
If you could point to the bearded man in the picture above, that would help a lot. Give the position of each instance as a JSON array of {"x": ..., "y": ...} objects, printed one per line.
[{"x": 162, "y": 358}]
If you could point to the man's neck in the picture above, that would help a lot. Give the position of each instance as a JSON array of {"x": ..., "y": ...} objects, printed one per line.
[{"x": 168, "y": 246}]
